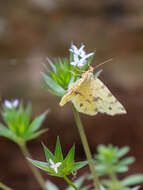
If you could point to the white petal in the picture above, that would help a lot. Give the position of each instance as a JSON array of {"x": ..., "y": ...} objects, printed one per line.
[
  {"x": 73, "y": 49},
  {"x": 81, "y": 48},
  {"x": 8, "y": 104},
  {"x": 76, "y": 58},
  {"x": 73, "y": 63},
  {"x": 81, "y": 51},
  {"x": 88, "y": 55},
  {"x": 58, "y": 164},
  {"x": 15, "y": 103},
  {"x": 51, "y": 162},
  {"x": 56, "y": 170}
]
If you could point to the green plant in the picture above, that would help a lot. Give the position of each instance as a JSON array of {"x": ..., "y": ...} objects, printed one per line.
[
  {"x": 56, "y": 165},
  {"x": 109, "y": 161},
  {"x": 20, "y": 129}
]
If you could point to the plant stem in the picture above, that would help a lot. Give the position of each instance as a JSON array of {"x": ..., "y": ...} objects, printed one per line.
[
  {"x": 70, "y": 183},
  {"x": 113, "y": 177},
  {"x": 35, "y": 171},
  {"x": 86, "y": 148},
  {"x": 4, "y": 187}
]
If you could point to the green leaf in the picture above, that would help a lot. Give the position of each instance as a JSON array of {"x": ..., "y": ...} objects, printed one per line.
[
  {"x": 133, "y": 180},
  {"x": 48, "y": 153},
  {"x": 38, "y": 164},
  {"x": 51, "y": 186},
  {"x": 30, "y": 136},
  {"x": 37, "y": 122},
  {"x": 78, "y": 165},
  {"x": 26, "y": 116},
  {"x": 122, "y": 151},
  {"x": 46, "y": 68},
  {"x": 58, "y": 151},
  {"x": 70, "y": 156},
  {"x": 122, "y": 169},
  {"x": 28, "y": 109},
  {"x": 127, "y": 161},
  {"x": 97, "y": 74},
  {"x": 52, "y": 91},
  {"x": 52, "y": 84},
  {"x": 4, "y": 131},
  {"x": 71, "y": 81},
  {"x": 52, "y": 65}
]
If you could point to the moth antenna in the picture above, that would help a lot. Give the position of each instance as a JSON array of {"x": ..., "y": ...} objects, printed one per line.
[{"x": 100, "y": 64}]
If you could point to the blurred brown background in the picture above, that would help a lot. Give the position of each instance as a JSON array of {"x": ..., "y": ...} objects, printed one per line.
[{"x": 32, "y": 30}]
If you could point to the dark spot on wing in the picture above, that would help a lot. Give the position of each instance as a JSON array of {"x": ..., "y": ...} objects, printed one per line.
[
  {"x": 88, "y": 101},
  {"x": 121, "y": 108},
  {"x": 96, "y": 99},
  {"x": 110, "y": 108},
  {"x": 76, "y": 93},
  {"x": 81, "y": 105},
  {"x": 96, "y": 110},
  {"x": 109, "y": 95}
]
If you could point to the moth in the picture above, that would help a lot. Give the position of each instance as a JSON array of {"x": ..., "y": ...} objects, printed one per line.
[{"x": 90, "y": 96}]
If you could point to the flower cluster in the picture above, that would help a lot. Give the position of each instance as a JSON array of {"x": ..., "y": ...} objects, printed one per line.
[
  {"x": 60, "y": 74},
  {"x": 18, "y": 127},
  {"x": 79, "y": 56},
  {"x": 11, "y": 104},
  {"x": 56, "y": 165}
]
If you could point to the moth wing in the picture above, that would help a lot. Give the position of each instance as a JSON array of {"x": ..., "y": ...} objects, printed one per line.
[
  {"x": 105, "y": 101},
  {"x": 71, "y": 91},
  {"x": 83, "y": 100}
]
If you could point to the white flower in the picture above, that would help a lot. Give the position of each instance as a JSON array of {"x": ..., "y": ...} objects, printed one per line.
[
  {"x": 54, "y": 166},
  {"x": 11, "y": 104},
  {"x": 79, "y": 55}
]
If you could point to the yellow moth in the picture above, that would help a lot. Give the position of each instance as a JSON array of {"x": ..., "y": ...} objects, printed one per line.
[{"x": 90, "y": 96}]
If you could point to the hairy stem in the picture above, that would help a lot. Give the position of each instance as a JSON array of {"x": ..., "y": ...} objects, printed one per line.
[
  {"x": 35, "y": 171},
  {"x": 70, "y": 183},
  {"x": 5, "y": 187},
  {"x": 86, "y": 148}
]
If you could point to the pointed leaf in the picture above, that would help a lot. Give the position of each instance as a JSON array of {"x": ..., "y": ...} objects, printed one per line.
[
  {"x": 122, "y": 151},
  {"x": 52, "y": 65},
  {"x": 121, "y": 169},
  {"x": 77, "y": 183},
  {"x": 98, "y": 73},
  {"x": 28, "y": 109},
  {"x": 70, "y": 156},
  {"x": 71, "y": 81},
  {"x": 38, "y": 164},
  {"x": 37, "y": 122},
  {"x": 133, "y": 180},
  {"x": 46, "y": 68},
  {"x": 4, "y": 131},
  {"x": 51, "y": 186},
  {"x": 78, "y": 165},
  {"x": 52, "y": 84},
  {"x": 127, "y": 161},
  {"x": 58, "y": 151},
  {"x": 52, "y": 91},
  {"x": 30, "y": 136},
  {"x": 48, "y": 153}
]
